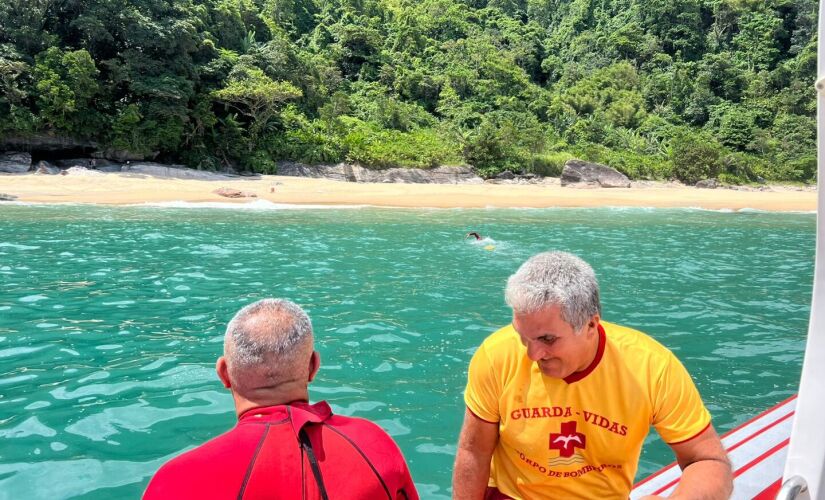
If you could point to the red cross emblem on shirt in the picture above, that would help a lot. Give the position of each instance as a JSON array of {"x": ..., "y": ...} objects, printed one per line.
[{"x": 567, "y": 440}]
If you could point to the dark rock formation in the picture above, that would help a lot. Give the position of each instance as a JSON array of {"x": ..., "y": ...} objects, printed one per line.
[
  {"x": 506, "y": 174},
  {"x": 44, "y": 142},
  {"x": 522, "y": 179},
  {"x": 339, "y": 172},
  {"x": 708, "y": 184},
  {"x": 74, "y": 162},
  {"x": 356, "y": 173},
  {"x": 122, "y": 155},
  {"x": 13, "y": 162},
  {"x": 172, "y": 171},
  {"x": 110, "y": 167},
  {"x": 7, "y": 197},
  {"x": 45, "y": 168},
  {"x": 55, "y": 146},
  {"x": 578, "y": 171}
]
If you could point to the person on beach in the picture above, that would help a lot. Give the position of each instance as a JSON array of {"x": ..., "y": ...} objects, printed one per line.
[
  {"x": 282, "y": 446},
  {"x": 559, "y": 402}
]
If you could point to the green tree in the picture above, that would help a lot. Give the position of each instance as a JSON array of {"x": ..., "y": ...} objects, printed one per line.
[
  {"x": 757, "y": 40},
  {"x": 66, "y": 84},
  {"x": 695, "y": 158},
  {"x": 518, "y": 84},
  {"x": 256, "y": 96}
]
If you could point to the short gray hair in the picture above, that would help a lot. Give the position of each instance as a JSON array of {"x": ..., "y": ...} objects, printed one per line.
[
  {"x": 266, "y": 328},
  {"x": 555, "y": 278}
]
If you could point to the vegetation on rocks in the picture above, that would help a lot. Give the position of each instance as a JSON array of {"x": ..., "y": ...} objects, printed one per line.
[{"x": 685, "y": 89}]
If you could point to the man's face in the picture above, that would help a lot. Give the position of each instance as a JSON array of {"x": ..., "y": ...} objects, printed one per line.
[{"x": 551, "y": 342}]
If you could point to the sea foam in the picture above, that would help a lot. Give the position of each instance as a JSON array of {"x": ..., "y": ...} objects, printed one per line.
[{"x": 253, "y": 205}]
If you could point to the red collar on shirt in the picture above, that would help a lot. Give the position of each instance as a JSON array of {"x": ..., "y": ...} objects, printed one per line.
[{"x": 575, "y": 377}]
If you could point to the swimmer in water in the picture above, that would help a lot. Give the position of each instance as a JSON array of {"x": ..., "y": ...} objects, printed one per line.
[{"x": 473, "y": 234}]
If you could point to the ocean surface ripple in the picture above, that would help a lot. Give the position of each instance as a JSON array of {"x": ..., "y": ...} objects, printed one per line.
[{"x": 111, "y": 320}]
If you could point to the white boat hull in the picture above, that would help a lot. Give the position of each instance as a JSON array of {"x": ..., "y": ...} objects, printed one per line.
[{"x": 757, "y": 449}]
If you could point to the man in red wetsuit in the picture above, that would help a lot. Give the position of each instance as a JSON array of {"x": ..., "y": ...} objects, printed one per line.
[{"x": 282, "y": 446}]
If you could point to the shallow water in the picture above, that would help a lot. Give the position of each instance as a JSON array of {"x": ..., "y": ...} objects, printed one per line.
[{"x": 111, "y": 320}]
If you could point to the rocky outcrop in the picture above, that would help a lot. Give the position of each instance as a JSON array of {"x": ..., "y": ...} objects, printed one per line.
[
  {"x": 123, "y": 155},
  {"x": 74, "y": 162},
  {"x": 7, "y": 197},
  {"x": 172, "y": 171},
  {"x": 339, "y": 172},
  {"x": 234, "y": 193},
  {"x": 14, "y": 162},
  {"x": 44, "y": 142},
  {"x": 45, "y": 168},
  {"x": 508, "y": 177},
  {"x": 708, "y": 184},
  {"x": 92, "y": 163},
  {"x": 356, "y": 173},
  {"x": 110, "y": 168},
  {"x": 582, "y": 172}
]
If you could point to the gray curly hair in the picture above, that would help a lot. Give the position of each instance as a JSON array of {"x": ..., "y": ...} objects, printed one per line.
[{"x": 555, "y": 278}]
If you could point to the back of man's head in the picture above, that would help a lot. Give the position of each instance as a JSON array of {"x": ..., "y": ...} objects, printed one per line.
[
  {"x": 268, "y": 343},
  {"x": 555, "y": 278}
]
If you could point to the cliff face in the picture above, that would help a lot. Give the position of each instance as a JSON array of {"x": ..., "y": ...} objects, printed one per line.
[
  {"x": 356, "y": 173},
  {"x": 45, "y": 143}
]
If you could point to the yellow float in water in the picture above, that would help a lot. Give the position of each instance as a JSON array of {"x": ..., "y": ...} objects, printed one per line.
[{"x": 490, "y": 247}]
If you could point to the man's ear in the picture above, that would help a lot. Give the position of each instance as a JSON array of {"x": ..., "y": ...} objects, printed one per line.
[
  {"x": 223, "y": 372},
  {"x": 314, "y": 365},
  {"x": 593, "y": 324}
]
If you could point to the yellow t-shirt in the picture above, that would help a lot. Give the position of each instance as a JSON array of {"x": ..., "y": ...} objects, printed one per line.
[{"x": 580, "y": 437}]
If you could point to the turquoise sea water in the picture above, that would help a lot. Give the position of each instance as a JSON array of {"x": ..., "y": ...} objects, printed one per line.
[{"x": 111, "y": 320}]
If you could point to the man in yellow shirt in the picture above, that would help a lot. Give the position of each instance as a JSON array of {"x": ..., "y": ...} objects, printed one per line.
[{"x": 559, "y": 402}]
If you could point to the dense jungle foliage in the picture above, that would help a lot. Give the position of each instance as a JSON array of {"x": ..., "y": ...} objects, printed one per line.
[{"x": 685, "y": 89}]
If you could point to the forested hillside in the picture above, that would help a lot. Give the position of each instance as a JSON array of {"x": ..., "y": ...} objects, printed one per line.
[{"x": 655, "y": 88}]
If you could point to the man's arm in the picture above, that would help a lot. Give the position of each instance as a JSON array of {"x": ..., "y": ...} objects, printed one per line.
[
  {"x": 476, "y": 443},
  {"x": 706, "y": 470}
]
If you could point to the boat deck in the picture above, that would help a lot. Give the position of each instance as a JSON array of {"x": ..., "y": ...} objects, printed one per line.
[{"x": 757, "y": 449}]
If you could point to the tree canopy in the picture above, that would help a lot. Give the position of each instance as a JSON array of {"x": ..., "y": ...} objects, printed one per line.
[{"x": 681, "y": 89}]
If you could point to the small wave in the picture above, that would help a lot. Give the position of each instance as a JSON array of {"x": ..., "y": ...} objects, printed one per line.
[
  {"x": 17, "y": 246},
  {"x": 483, "y": 241},
  {"x": 744, "y": 210},
  {"x": 29, "y": 427},
  {"x": 253, "y": 205},
  {"x": 176, "y": 300},
  {"x": 748, "y": 210},
  {"x": 447, "y": 449},
  {"x": 394, "y": 427},
  {"x": 18, "y": 351},
  {"x": 208, "y": 249},
  {"x": 387, "y": 338},
  {"x": 32, "y": 298}
]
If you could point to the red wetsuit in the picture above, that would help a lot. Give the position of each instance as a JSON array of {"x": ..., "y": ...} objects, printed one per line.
[{"x": 295, "y": 451}]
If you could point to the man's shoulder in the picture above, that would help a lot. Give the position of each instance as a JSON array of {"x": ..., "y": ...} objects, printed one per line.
[
  {"x": 367, "y": 438},
  {"x": 503, "y": 338},
  {"x": 215, "y": 466},
  {"x": 359, "y": 429},
  {"x": 219, "y": 446}
]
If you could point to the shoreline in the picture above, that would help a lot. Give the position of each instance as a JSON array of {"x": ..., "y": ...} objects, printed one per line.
[{"x": 125, "y": 189}]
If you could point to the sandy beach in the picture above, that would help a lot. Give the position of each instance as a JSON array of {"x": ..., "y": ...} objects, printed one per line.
[{"x": 118, "y": 189}]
